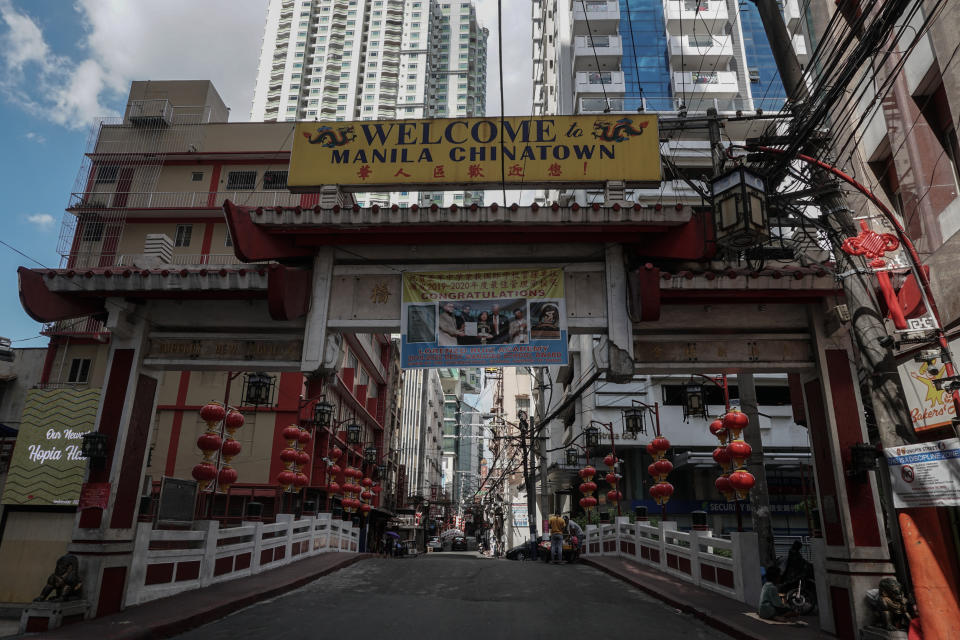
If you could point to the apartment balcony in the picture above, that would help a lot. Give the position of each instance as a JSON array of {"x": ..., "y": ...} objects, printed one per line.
[
  {"x": 706, "y": 84},
  {"x": 800, "y": 47},
  {"x": 683, "y": 17},
  {"x": 86, "y": 327},
  {"x": 708, "y": 51},
  {"x": 791, "y": 14},
  {"x": 589, "y": 51},
  {"x": 595, "y": 83},
  {"x": 604, "y": 17},
  {"x": 179, "y": 200}
]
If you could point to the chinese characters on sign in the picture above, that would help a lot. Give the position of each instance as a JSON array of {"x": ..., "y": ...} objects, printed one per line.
[
  {"x": 483, "y": 318},
  {"x": 925, "y": 475}
]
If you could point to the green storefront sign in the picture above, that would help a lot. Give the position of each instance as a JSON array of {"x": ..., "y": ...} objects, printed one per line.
[{"x": 46, "y": 467}]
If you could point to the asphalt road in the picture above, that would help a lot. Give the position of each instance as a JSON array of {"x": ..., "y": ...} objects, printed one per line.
[{"x": 461, "y": 596}]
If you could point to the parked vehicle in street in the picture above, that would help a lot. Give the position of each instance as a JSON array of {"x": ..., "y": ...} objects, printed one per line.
[
  {"x": 435, "y": 545},
  {"x": 520, "y": 552},
  {"x": 459, "y": 544}
]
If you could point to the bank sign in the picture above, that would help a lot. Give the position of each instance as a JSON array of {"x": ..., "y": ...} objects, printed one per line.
[
  {"x": 47, "y": 468},
  {"x": 474, "y": 153}
]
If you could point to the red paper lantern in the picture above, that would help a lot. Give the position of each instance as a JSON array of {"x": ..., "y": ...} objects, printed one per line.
[
  {"x": 660, "y": 443},
  {"x": 230, "y": 448},
  {"x": 652, "y": 470},
  {"x": 587, "y": 472},
  {"x": 653, "y": 452},
  {"x": 203, "y": 473},
  {"x": 588, "y": 502},
  {"x": 739, "y": 451},
  {"x": 742, "y": 481},
  {"x": 611, "y": 478},
  {"x": 587, "y": 488},
  {"x": 664, "y": 467},
  {"x": 365, "y": 508},
  {"x": 286, "y": 478},
  {"x": 367, "y": 482},
  {"x": 334, "y": 469},
  {"x": 377, "y": 489},
  {"x": 335, "y": 453},
  {"x": 610, "y": 460},
  {"x": 718, "y": 431},
  {"x": 226, "y": 477},
  {"x": 291, "y": 434},
  {"x": 334, "y": 487},
  {"x": 304, "y": 437},
  {"x": 212, "y": 413},
  {"x": 303, "y": 458},
  {"x": 614, "y": 496},
  {"x": 735, "y": 422},
  {"x": 724, "y": 487},
  {"x": 300, "y": 480},
  {"x": 366, "y": 495},
  {"x": 234, "y": 420},
  {"x": 289, "y": 455},
  {"x": 661, "y": 492},
  {"x": 722, "y": 457},
  {"x": 208, "y": 443}
]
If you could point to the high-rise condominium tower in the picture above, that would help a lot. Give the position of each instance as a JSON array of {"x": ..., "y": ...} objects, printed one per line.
[{"x": 372, "y": 60}]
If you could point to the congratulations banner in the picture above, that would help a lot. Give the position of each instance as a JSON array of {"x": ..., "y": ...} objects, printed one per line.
[
  {"x": 46, "y": 467},
  {"x": 483, "y": 319},
  {"x": 472, "y": 153}
]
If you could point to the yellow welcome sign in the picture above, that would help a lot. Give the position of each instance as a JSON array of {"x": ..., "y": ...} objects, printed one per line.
[{"x": 474, "y": 153}]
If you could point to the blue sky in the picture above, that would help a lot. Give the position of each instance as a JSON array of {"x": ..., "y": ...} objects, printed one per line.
[{"x": 63, "y": 64}]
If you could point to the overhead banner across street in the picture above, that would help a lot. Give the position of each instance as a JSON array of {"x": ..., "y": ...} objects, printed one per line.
[
  {"x": 489, "y": 318},
  {"x": 474, "y": 153}
]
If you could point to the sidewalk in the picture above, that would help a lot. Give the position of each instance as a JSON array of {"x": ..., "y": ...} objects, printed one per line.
[
  {"x": 720, "y": 612},
  {"x": 170, "y": 616}
]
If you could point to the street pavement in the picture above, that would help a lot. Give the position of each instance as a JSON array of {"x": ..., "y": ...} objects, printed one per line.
[{"x": 459, "y": 595}]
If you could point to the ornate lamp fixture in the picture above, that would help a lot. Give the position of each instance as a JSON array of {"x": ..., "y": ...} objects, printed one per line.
[
  {"x": 353, "y": 433},
  {"x": 694, "y": 405},
  {"x": 740, "y": 211},
  {"x": 572, "y": 456},
  {"x": 257, "y": 389},
  {"x": 322, "y": 412},
  {"x": 591, "y": 437}
]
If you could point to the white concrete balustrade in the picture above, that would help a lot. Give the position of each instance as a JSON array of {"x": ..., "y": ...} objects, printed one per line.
[
  {"x": 166, "y": 562},
  {"x": 728, "y": 566}
]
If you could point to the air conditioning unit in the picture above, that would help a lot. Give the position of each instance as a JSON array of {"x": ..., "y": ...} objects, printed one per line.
[{"x": 152, "y": 113}]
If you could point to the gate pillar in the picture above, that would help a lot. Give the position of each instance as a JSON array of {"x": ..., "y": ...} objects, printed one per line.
[
  {"x": 857, "y": 555},
  {"x": 315, "y": 332},
  {"x": 103, "y": 538}
]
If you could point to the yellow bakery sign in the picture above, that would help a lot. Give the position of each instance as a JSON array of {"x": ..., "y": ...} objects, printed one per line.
[{"x": 476, "y": 153}]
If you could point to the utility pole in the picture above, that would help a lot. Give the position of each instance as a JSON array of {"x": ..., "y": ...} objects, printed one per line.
[
  {"x": 936, "y": 603},
  {"x": 529, "y": 481},
  {"x": 760, "y": 495}
]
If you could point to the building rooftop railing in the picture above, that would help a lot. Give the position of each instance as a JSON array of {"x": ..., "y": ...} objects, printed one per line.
[{"x": 92, "y": 200}]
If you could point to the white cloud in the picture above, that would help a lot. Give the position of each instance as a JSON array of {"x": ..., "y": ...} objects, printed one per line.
[
  {"x": 121, "y": 41},
  {"x": 43, "y": 221},
  {"x": 34, "y": 137}
]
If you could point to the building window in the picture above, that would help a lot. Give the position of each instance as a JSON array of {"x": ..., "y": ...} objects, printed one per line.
[
  {"x": 274, "y": 180},
  {"x": 92, "y": 231},
  {"x": 79, "y": 370},
  {"x": 237, "y": 180},
  {"x": 107, "y": 175},
  {"x": 196, "y": 176},
  {"x": 184, "y": 231}
]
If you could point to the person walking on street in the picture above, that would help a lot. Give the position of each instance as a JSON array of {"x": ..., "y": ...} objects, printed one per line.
[
  {"x": 557, "y": 527},
  {"x": 576, "y": 536}
]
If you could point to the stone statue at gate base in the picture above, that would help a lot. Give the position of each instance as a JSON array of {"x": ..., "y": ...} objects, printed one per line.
[
  {"x": 65, "y": 581},
  {"x": 891, "y": 606}
]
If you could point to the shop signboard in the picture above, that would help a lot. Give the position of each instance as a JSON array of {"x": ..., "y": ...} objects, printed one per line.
[
  {"x": 499, "y": 317},
  {"x": 925, "y": 475},
  {"x": 474, "y": 153},
  {"x": 520, "y": 520},
  {"x": 47, "y": 467},
  {"x": 930, "y": 407}
]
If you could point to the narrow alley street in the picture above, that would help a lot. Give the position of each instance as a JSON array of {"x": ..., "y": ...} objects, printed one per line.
[{"x": 463, "y": 596}]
